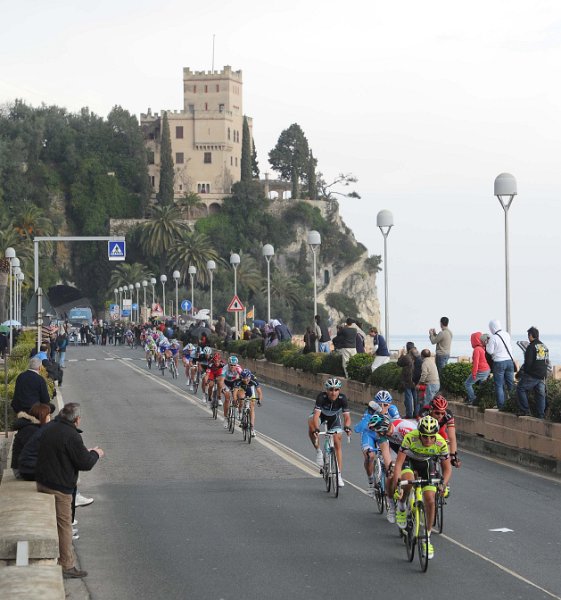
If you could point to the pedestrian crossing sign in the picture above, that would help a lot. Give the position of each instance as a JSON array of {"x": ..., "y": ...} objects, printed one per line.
[
  {"x": 235, "y": 305},
  {"x": 116, "y": 250}
]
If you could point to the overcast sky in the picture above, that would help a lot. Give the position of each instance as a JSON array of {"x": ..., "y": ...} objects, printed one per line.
[{"x": 425, "y": 102}]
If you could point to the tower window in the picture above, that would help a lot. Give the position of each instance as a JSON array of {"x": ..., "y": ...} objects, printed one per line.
[
  {"x": 179, "y": 133},
  {"x": 208, "y": 158},
  {"x": 179, "y": 158}
]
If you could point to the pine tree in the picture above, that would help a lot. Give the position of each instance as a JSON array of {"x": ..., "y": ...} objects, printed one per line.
[
  {"x": 246, "y": 152},
  {"x": 165, "y": 194},
  {"x": 311, "y": 176},
  {"x": 290, "y": 156}
]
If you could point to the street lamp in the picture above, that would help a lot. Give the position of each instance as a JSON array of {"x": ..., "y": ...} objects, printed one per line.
[
  {"x": 235, "y": 261},
  {"x": 505, "y": 190},
  {"x": 210, "y": 265},
  {"x": 10, "y": 254},
  {"x": 163, "y": 279},
  {"x": 137, "y": 288},
  {"x": 384, "y": 220},
  {"x": 120, "y": 301},
  {"x": 192, "y": 272},
  {"x": 144, "y": 286},
  {"x": 131, "y": 288},
  {"x": 176, "y": 275},
  {"x": 153, "y": 284},
  {"x": 15, "y": 274},
  {"x": 314, "y": 241},
  {"x": 21, "y": 277},
  {"x": 268, "y": 253}
]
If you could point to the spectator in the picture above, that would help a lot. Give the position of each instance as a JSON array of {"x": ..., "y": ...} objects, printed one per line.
[
  {"x": 27, "y": 454},
  {"x": 25, "y": 426},
  {"x": 309, "y": 341},
  {"x": 3, "y": 343},
  {"x": 380, "y": 349},
  {"x": 480, "y": 369},
  {"x": 345, "y": 343},
  {"x": 54, "y": 371},
  {"x": 271, "y": 340},
  {"x": 532, "y": 375},
  {"x": 443, "y": 341},
  {"x": 52, "y": 346},
  {"x": 30, "y": 388},
  {"x": 429, "y": 377},
  {"x": 406, "y": 361},
  {"x": 43, "y": 353},
  {"x": 61, "y": 456},
  {"x": 61, "y": 346},
  {"x": 322, "y": 335},
  {"x": 500, "y": 349},
  {"x": 360, "y": 336},
  {"x": 283, "y": 332}
]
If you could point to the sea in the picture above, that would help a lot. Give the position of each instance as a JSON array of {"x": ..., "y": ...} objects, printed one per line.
[{"x": 461, "y": 345}]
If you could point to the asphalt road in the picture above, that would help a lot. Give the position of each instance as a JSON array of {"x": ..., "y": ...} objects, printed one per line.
[{"x": 183, "y": 509}]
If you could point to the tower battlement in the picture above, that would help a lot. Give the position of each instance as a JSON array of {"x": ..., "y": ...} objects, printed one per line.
[{"x": 226, "y": 72}]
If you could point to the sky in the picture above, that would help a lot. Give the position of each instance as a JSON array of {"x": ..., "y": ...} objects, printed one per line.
[{"x": 424, "y": 102}]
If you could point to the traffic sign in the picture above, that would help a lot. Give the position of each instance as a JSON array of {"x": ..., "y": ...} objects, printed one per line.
[
  {"x": 186, "y": 306},
  {"x": 135, "y": 306},
  {"x": 125, "y": 312},
  {"x": 116, "y": 250},
  {"x": 235, "y": 305}
]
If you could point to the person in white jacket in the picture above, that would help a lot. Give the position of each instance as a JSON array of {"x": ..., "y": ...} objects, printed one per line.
[{"x": 500, "y": 348}]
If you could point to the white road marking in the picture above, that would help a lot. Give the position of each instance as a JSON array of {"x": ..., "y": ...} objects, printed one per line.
[
  {"x": 91, "y": 359},
  {"x": 502, "y": 529},
  {"x": 108, "y": 359}
]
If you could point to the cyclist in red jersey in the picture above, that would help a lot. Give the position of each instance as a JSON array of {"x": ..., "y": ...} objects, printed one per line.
[
  {"x": 438, "y": 408},
  {"x": 215, "y": 372}
]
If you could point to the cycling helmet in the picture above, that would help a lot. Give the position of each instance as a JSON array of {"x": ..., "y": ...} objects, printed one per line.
[
  {"x": 233, "y": 360},
  {"x": 189, "y": 347},
  {"x": 216, "y": 357},
  {"x": 439, "y": 402},
  {"x": 207, "y": 350},
  {"x": 383, "y": 397},
  {"x": 379, "y": 423},
  {"x": 333, "y": 383},
  {"x": 246, "y": 374},
  {"x": 428, "y": 426}
]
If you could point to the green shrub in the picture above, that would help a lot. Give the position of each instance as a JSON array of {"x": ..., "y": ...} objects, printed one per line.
[
  {"x": 452, "y": 379},
  {"x": 333, "y": 365},
  {"x": 238, "y": 347},
  {"x": 275, "y": 354},
  {"x": 254, "y": 348},
  {"x": 387, "y": 377},
  {"x": 359, "y": 367},
  {"x": 22, "y": 350},
  {"x": 553, "y": 394}
]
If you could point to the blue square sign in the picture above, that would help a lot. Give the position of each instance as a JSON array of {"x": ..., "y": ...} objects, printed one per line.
[{"x": 116, "y": 250}]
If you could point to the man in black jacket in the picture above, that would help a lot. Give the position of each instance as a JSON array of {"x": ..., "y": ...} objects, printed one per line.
[
  {"x": 345, "y": 343},
  {"x": 62, "y": 455},
  {"x": 30, "y": 388},
  {"x": 532, "y": 375}
]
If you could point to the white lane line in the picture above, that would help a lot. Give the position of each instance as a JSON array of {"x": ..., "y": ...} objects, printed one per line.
[
  {"x": 108, "y": 359},
  {"x": 72, "y": 360},
  {"x": 303, "y": 463},
  {"x": 91, "y": 359}
]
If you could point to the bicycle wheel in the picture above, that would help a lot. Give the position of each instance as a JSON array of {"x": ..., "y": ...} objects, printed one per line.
[
  {"x": 379, "y": 484},
  {"x": 231, "y": 418},
  {"x": 409, "y": 534},
  {"x": 214, "y": 403},
  {"x": 325, "y": 470},
  {"x": 334, "y": 473},
  {"x": 196, "y": 384},
  {"x": 422, "y": 537},
  {"x": 245, "y": 428},
  {"x": 439, "y": 503},
  {"x": 149, "y": 361}
]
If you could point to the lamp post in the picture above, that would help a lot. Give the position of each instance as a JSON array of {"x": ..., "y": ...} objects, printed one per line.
[
  {"x": 10, "y": 254},
  {"x": 176, "y": 275},
  {"x": 131, "y": 290},
  {"x": 384, "y": 220},
  {"x": 314, "y": 241},
  {"x": 268, "y": 253},
  {"x": 137, "y": 288},
  {"x": 16, "y": 273},
  {"x": 21, "y": 278},
  {"x": 153, "y": 284},
  {"x": 210, "y": 265},
  {"x": 144, "y": 286},
  {"x": 505, "y": 190},
  {"x": 192, "y": 272},
  {"x": 235, "y": 261},
  {"x": 163, "y": 279},
  {"x": 120, "y": 301},
  {"x": 13, "y": 275}
]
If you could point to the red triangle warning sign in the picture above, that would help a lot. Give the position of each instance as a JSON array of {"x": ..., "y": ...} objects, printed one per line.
[{"x": 235, "y": 305}]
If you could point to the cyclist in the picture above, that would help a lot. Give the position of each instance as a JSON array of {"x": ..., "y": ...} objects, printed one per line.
[
  {"x": 129, "y": 336},
  {"x": 330, "y": 405},
  {"x": 380, "y": 404},
  {"x": 418, "y": 450},
  {"x": 203, "y": 360},
  {"x": 175, "y": 347},
  {"x": 163, "y": 348},
  {"x": 215, "y": 372},
  {"x": 438, "y": 408},
  {"x": 231, "y": 374},
  {"x": 248, "y": 387},
  {"x": 189, "y": 362}
]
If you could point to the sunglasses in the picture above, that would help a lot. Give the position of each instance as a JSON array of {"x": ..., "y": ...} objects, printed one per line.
[
  {"x": 428, "y": 437},
  {"x": 332, "y": 389},
  {"x": 438, "y": 413}
]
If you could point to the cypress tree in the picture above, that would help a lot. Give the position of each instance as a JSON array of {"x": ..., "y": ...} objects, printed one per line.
[
  {"x": 165, "y": 194},
  {"x": 254, "y": 161},
  {"x": 246, "y": 152},
  {"x": 311, "y": 176}
]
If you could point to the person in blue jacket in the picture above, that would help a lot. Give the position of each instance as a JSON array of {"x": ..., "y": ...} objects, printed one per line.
[{"x": 381, "y": 404}]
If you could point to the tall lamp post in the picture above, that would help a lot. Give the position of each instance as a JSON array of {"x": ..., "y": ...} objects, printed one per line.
[
  {"x": 163, "y": 279},
  {"x": 505, "y": 190},
  {"x": 192, "y": 272},
  {"x": 176, "y": 275},
  {"x": 137, "y": 288},
  {"x": 120, "y": 301},
  {"x": 314, "y": 241},
  {"x": 131, "y": 290},
  {"x": 21, "y": 278},
  {"x": 16, "y": 273},
  {"x": 384, "y": 220},
  {"x": 153, "y": 284},
  {"x": 144, "y": 286},
  {"x": 235, "y": 261},
  {"x": 116, "y": 292},
  {"x": 268, "y": 253},
  {"x": 10, "y": 254},
  {"x": 210, "y": 265}
]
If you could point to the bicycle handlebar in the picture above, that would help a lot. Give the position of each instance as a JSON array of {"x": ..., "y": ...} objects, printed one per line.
[{"x": 431, "y": 481}]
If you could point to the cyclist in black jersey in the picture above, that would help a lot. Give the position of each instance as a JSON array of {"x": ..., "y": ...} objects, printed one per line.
[{"x": 332, "y": 408}]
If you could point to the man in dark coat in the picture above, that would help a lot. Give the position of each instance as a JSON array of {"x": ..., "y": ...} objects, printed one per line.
[
  {"x": 62, "y": 455},
  {"x": 30, "y": 388}
]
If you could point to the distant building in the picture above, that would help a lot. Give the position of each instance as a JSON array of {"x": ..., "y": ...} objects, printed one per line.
[{"x": 206, "y": 136}]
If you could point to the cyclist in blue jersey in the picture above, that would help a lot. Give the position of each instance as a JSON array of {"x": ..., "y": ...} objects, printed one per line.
[
  {"x": 248, "y": 387},
  {"x": 231, "y": 374},
  {"x": 332, "y": 408}
]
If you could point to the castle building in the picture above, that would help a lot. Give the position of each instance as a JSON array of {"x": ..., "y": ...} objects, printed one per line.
[{"x": 206, "y": 136}]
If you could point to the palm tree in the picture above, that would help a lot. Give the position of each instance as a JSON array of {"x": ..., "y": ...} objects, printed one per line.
[
  {"x": 193, "y": 248},
  {"x": 30, "y": 221},
  {"x": 126, "y": 273},
  {"x": 161, "y": 232},
  {"x": 9, "y": 238},
  {"x": 191, "y": 201},
  {"x": 249, "y": 276},
  {"x": 285, "y": 288}
]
